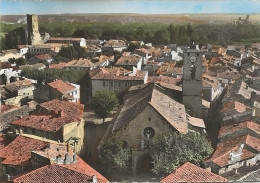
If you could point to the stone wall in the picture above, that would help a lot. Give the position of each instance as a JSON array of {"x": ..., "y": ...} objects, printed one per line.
[
  {"x": 149, "y": 117},
  {"x": 115, "y": 86}
]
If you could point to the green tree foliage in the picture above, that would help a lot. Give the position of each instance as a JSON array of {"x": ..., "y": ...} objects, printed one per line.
[
  {"x": 103, "y": 103},
  {"x": 169, "y": 151},
  {"x": 48, "y": 75},
  {"x": 18, "y": 61},
  {"x": 132, "y": 46},
  {"x": 115, "y": 153},
  {"x": 179, "y": 63},
  {"x": 13, "y": 38},
  {"x": 72, "y": 52}
]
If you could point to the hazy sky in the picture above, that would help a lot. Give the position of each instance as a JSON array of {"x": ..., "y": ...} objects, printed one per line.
[{"x": 128, "y": 6}]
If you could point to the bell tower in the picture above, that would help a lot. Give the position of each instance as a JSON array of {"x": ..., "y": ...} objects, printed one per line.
[{"x": 192, "y": 82}]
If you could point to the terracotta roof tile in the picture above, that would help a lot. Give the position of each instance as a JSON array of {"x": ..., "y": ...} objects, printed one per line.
[
  {"x": 163, "y": 79},
  {"x": 58, "y": 66},
  {"x": 222, "y": 152},
  {"x": 18, "y": 85},
  {"x": 18, "y": 152},
  {"x": 158, "y": 98},
  {"x": 128, "y": 60},
  {"x": 189, "y": 172},
  {"x": 115, "y": 43},
  {"x": 78, "y": 172},
  {"x": 44, "y": 56},
  {"x": 232, "y": 105},
  {"x": 232, "y": 128},
  {"x": 168, "y": 69},
  {"x": 60, "y": 113},
  {"x": 105, "y": 74},
  {"x": 82, "y": 62},
  {"x": 62, "y": 86},
  {"x": 5, "y": 108}
]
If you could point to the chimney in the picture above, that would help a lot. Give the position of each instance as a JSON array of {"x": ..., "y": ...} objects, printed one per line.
[
  {"x": 94, "y": 179},
  {"x": 240, "y": 149},
  {"x": 74, "y": 158},
  {"x": 67, "y": 159}
]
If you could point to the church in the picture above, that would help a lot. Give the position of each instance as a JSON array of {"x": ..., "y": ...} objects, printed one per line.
[{"x": 155, "y": 108}]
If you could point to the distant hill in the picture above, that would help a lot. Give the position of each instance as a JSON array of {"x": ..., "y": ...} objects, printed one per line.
[{"x": 136, "y": 18}]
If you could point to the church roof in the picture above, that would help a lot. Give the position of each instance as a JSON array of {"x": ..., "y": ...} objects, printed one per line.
[{"x": 157, "y": 97}]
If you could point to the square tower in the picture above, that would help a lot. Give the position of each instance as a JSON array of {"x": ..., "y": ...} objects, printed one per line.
[
  {"x": 192, "y": 81},
  {"x": 34, "y": 36}
]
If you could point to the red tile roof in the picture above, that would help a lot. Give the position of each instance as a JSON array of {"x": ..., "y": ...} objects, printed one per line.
[
  {"x": 189, "y": 172},
  {"x": 222, "y": 152},
  {"x": 18, "y": 152},
  {"x": 78, "y": 172},
  {"x": 58, "y": 66},
  {"x": 62, "y": 86},
  {"x": 105, "y": 74},
  {"x": 232, "y": 105},
  {"x": 163, "y": 79},
  {"x": 44, "y": 56},
  {"x": 71, "y": 110},
  {"x": 5, "y": 108},
  {"x": 61, "y": 113},
  {"x": 229, "y": 129},
  {"x": 143, "y": 50}
]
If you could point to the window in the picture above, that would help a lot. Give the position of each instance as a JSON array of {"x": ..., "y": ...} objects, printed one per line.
[
  {"x": 111, "y": 83},
  {"x": 104, "y": 83},
  {"x": 150, "y": 119},
  {"x": 130, "y": 84},
  {"x": 118, "y": 84},
  {"x": 126, "y": 84}
]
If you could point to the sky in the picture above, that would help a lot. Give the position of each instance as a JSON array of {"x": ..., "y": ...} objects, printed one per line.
[{"x": 18, "y": 7}]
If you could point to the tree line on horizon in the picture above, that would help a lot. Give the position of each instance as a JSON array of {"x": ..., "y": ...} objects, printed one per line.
[{"x": 155, "y": 33}]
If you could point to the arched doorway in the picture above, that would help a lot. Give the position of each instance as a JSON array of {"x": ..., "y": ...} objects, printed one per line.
[{"x": 144, "y": 164}]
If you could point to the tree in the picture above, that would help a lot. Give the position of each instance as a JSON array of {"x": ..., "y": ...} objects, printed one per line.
[
  {"x": 18, "y": 61},
  {"x": 169, "y": 151},
  {"x": 179, "y": 63},
  {"x": 14, "y": 37},
  {"x": 115, "y": 153},
  {"x": 103, "y": 103}
]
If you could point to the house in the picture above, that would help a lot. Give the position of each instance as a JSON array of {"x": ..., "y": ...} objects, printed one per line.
[
  {"x": 54, "y": 121},
  {"x": 44, "y": 58},
  {"x": 128, "y": 62},
  {"x": 239, "y": 151},
  {"x": 39, "y": 49},
  {"x": 234, "y": 111},
  {"x": 189, "y": 172},
  {"x": 170, "y": 69},
  {"x": 38, "y": 66},
  {"x": 67, "y": 40},
  {"x": 9, "y": 73},
  {"x": 10, "y": 113},
  {"x": 23, "y": 49},
  {"x": 148, "y": 110},
  {"x": 227, "y": 132},
  {"x": 116, "y": 79},
  {"x": 15, "y": 157},
  {"x": 74, "y": 170},
  {"x": 114, "y": 45},
  {"x": 144, "y": 53},
  {"x": 63, "y": 90},
  {"x": 18, "y": 93},
  {"x": 82, "y": 63}
]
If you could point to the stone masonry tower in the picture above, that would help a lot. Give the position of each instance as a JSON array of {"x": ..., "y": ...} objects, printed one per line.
[
  {"x": 192, "y": 83},
  {"x": 33, "y": 34}
]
